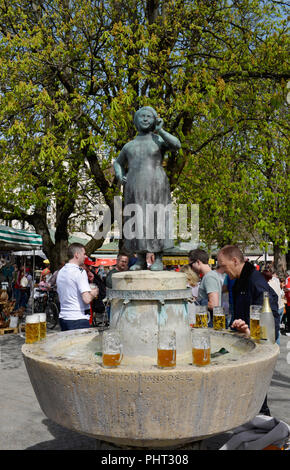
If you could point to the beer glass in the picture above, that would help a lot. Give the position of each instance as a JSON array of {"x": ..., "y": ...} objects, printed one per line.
[
  {"x": 166, "y": 349},
  {"x": 202, "y": 318},
  {"x": 191, "y": 314},
  {"x": 112, "y": 349},
  {"x": 255, "y": 311},
  {"x": 219, "y": 318},
  {"x": 32, "y": 329},
  {"x": 42, "y": 326},
  {"x": 200, "y": 347}
]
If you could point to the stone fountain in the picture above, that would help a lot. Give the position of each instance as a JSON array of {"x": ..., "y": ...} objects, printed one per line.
[{"x": 138, "y": 404}]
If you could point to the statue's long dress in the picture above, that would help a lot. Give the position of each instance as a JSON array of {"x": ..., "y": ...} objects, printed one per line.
[{"x": 148, "y": 229}]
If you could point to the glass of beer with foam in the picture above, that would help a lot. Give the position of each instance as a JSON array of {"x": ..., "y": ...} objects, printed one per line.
[
  {"x": 200, "y": 340},
  {"x": 32, "y": 329},
  {"x": 166, "y": 349},
  {"x": 112, "y": 349},
  {"x": 201, "y": 315},
  {"x": 255, "y": 311},
  {"x": 219, "y": 318},
  {"x": 42, "y": 320}
]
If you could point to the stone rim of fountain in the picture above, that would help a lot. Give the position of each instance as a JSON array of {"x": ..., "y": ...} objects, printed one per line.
[
  {"x": 123, "y": 406},
  {"x": 39, "y": 351}
]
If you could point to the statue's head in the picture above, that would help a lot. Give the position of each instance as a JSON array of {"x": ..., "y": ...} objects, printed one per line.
[{"x": 146, "y": 113}]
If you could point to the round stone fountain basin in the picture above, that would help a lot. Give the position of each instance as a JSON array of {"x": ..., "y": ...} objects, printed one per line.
[{"x": 138, "y": 404}]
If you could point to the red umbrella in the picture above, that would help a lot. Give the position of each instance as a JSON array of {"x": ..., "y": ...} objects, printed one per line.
[{"x": 105, "y": 262}]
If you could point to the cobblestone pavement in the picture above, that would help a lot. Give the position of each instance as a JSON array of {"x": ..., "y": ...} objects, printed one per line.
[{"x": 24, "y": 426}]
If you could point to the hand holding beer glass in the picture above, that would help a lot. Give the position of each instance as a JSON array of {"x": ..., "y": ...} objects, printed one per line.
[
  {"x": 202, "y": 316},
  {"x": 200, "y": 347},
  {"x": 32, "y": 328},
  {"x": 219, "y": 318},
  {"x": 112, "y": 349},
  {"x": 255, "y": 312},
  {"x": 166, "y": 349}
]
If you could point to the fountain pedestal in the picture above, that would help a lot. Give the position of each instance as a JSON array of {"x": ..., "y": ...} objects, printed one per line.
[
  {"x": 144, "y": 301},
  {"x": 138, "y": 404}
]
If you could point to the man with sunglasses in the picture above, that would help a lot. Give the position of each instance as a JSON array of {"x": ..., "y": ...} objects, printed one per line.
[{"x": 209, "y": 292}]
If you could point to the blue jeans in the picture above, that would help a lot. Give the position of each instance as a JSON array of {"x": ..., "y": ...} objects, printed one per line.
[{"x": 66, "y": 325}]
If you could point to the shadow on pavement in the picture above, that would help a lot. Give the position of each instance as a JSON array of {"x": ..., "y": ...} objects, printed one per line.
[{"x": 64, "y": 439}]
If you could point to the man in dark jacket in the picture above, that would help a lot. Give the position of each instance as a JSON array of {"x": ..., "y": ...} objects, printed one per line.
[
  {"x": 248, "y": 290},
  {"x": 249, "y": 287}
]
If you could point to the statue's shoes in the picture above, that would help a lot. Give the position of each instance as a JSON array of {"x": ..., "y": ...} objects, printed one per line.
[
  {"x": 157, "y": 266},
  {"x": 138, "y": 266}
]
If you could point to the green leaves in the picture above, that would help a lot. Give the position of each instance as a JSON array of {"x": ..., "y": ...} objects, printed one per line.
[{"x": 73, "y": 73}]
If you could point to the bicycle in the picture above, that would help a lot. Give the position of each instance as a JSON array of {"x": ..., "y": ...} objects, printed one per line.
[{"x": 48, "y": 303}]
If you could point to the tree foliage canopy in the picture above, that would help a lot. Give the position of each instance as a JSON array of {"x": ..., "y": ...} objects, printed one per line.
[{"x": 73, "y": 73}]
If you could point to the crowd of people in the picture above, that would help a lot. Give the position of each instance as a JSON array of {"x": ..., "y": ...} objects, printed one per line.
[{"x": 224, "y": 285}]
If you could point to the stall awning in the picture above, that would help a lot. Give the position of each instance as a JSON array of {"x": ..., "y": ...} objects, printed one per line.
[
  {"x": 105, "y": 262},
  {"x": 13, "y": 239}
]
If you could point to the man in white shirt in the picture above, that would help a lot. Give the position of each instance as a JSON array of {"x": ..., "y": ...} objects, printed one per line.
[{"x": 74, "y": 291}]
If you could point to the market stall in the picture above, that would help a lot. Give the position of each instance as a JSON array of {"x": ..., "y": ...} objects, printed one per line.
[{"x": 10, "y": 240}]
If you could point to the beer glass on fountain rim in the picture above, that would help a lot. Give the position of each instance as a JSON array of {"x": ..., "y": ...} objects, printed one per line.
[
  {"x": 219, "y": 318},
  {"x": 202, "y": 316},
  {"x": 112, "y": 349},
  {"x": 32, "y": 328},
  {"x": 166, "y": 349},
  {"x": 42, "y": 326},
  {"x": 255, "y": 330},
  {"x": 200, "y": 340}
]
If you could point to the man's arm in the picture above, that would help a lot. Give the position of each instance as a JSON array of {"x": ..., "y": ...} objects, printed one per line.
[
  {"x": 213, "y": 300},
  {"x": 89, "y": 296}
]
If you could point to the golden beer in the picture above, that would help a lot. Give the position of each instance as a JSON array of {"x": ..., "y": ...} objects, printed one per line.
[
  {"x": 111, "y": 360},
  {"x": 201, "y": 357},
  {"x": 112, "y": 348},
  {"x": 255, "y": 328},
  {"x": 32, "y": 329},
  {"x": 166, "y": 349},
  {"x": 166, "y": 358},
  {"x": 42, "y": 318},
  {"x": 219, "y": 322},
  {"x": 201, "y": 320}
]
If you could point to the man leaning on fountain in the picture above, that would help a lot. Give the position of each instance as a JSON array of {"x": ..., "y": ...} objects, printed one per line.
[
  {"x": 248, "y": 290},
  {"x": 74, "y": 290}
]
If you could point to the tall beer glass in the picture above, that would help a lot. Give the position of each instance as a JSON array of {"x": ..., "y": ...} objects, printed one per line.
[
  {"x": 255, "y": 312},
  {"x": 166, "y": 349},
  {"x": 200, "y": 347},
  {"x": 201, "y": 316},
  {"x": 32, "y": 329},
  {"x": 219, "y": 318},
  {"x": 112, "y": 349},
  {"x": 42, "y": 320}
]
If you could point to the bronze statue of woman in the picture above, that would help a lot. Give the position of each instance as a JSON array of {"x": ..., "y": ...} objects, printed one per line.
[{"x": 146, "y": 188}]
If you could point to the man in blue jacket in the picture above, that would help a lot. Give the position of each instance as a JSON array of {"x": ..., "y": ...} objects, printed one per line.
[{"x": 248, "y": 290}]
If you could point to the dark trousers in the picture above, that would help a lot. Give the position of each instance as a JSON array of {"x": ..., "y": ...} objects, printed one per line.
[
  {"x": 265, "y": 409},
  {"x": 287, "y": 326},
  {"x": 66, "y": 325}
]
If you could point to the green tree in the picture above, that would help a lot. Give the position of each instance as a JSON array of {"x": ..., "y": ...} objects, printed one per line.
[{"x": 73, "y": 73}]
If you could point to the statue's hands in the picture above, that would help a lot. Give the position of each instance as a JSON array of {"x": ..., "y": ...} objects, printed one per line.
[
  {"x": 124, "y": 179},
  {"x": 159, "y": 124}
]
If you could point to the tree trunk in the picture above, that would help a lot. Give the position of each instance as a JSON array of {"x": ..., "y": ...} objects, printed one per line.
[
  {"x": 288, "y": 260},
  {"x": 279, "y": 260}
]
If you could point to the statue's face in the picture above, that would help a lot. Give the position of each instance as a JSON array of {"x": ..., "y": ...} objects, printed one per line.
[{"x": 145, "y": 121}]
